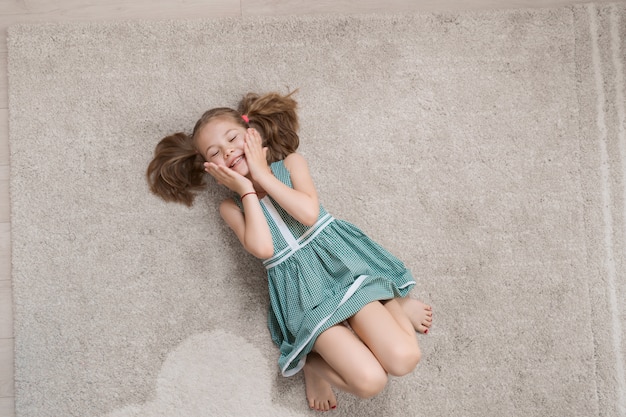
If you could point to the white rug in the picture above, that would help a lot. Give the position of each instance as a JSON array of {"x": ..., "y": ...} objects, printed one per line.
[{"x": 486, "y": 150}]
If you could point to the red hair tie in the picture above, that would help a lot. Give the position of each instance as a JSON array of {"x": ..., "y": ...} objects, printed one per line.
[{"x": 245, "y": 118}]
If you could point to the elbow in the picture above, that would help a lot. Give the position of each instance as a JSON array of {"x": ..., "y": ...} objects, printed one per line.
[
  {"x": 309, "y": 221},
  {"x": 310, "y": 218},
  {"x": 266, "y": 253},
  {"x": 261, "y": 251}
]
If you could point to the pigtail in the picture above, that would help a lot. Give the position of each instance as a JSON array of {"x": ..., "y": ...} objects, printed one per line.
[
  {"x": 275, "y": 117},
  {"x": 176, "y": 172}
]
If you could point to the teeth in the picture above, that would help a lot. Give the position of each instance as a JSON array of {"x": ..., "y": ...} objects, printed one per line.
[{"x": 235, "y": 161}]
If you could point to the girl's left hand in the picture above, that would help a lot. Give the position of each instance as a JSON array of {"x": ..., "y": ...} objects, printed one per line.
[
  {"x": 256, "y": 155},
  {"x": 229, "y": 178}
]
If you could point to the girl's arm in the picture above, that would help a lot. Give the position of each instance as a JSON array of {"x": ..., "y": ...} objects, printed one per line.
[
  {"x": 252, "y": 229},
  {"x": 301, "y": 201}
]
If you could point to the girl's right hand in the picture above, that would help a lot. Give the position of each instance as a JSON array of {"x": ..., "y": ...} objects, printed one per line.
[
  {"x": 229, "y": 178},
  {"x": 256, "y": 155}
]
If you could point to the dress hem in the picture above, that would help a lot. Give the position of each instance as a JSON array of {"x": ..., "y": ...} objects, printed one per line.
[
  {"x": 355, "y": 286},
  {"x": 285, "y": 371}
]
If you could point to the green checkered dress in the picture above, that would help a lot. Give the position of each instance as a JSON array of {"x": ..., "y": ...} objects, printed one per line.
[{"x": 320, "y": 276}]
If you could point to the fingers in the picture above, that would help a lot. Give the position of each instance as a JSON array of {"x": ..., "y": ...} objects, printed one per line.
[
  {"x": 221, "y": 174},
  {"x": 228, "y": 178},
  {"x": 210, "y": 167},
  {"x": 259, "y": 140},
  {"x": 253, "y": 142},
  {"x": 256, "y": 154},
  {"x": 254, "y": 134},
  {"x": 213, "y": 170}
]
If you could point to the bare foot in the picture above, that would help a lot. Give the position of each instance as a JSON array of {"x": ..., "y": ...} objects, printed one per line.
[
  {"x": 421, "y": 314},
  {"x": 319, "y": 393}
]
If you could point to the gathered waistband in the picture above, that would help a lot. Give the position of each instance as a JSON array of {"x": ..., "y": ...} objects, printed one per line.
[{"x": 295, "y": 244}]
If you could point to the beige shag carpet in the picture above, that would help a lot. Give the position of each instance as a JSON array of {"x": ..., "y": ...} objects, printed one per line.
[{"x": 487, "y": 150}]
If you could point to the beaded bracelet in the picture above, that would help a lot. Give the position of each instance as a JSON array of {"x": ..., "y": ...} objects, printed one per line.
[{"x": 251, "y": 192}]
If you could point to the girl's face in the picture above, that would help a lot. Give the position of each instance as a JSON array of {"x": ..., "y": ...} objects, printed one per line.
[{"x": 221, "y": 142}]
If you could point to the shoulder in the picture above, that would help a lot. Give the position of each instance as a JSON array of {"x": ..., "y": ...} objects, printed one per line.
[
  {"x": 295, "y": 161},
  {"x": 300, "y": 175}
]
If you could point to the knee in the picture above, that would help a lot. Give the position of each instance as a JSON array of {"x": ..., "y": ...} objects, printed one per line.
[
  {"x": 403, "y": 360},
  {"x": 370, "y": 383}
]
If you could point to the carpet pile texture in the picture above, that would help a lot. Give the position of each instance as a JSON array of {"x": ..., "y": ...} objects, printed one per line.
[{"x": 487, "y": 150}]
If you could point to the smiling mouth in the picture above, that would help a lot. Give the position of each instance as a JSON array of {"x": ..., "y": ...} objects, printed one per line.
[{"x": 236, "y": 161}]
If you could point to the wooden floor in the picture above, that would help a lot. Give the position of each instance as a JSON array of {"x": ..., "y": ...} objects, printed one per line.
[{"x": 21, "y": 11}]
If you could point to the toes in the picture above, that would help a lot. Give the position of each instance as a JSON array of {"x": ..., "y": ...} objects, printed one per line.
[
  {"x": 422, "y": 329},
  {"x": 316, "y": 405},
  {"x": 319, "y": 405},
  {"x": 323, "y": 406},
  {"x": 424, "y": 326}
]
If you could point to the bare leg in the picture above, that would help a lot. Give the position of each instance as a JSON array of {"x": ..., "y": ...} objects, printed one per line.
[
  {"x": 342, "y": 360},
  {"x": 420, "y": 314},
  {"x": 389, "y": 334},
  {"x": 386, "y": 342}
]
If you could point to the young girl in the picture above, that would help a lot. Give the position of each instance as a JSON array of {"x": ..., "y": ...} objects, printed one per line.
[{"x": 339, "y": 306}]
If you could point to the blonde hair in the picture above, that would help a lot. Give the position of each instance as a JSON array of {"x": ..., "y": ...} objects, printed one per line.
[{"x": 176, "y": 172}]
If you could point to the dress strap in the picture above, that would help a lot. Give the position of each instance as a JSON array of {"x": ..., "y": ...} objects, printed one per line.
[
  {"x": 280, "y": 223},
  {"x": 293, "y": 244}
]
